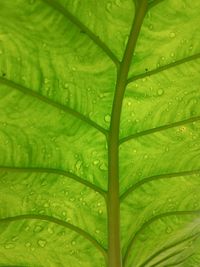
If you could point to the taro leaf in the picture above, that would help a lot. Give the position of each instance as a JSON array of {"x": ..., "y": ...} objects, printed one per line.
[{"x": 99, "y": 114}]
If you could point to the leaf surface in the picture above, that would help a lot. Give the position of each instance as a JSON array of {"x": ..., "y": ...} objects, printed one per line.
[{"x": 95, "y": 94}]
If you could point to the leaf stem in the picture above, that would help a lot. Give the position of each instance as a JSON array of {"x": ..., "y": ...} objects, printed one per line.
[{"x": 114, "y": 250}]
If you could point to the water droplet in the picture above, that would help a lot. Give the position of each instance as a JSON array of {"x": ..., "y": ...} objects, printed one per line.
[
  {"x": 168, "y": 230},
  {"x": 64, "y": 213},
  {"x": 73, "y": 243},
  {"x": 107, "y": 118},
  {"x": 46, "y": 80},
  {"x": 96, "y": 162},
  {"x": 100, "y": 211},
  {"x": 150, "y": 26},
  {"x": 129, "y": 103},
  {"x": 42, "y": 243},
  {"x": 118, "y": 3},
  {"x": 46, "y": 205},
  {"x": 50, "y": 230},
  {"x": 27, "y": 228},
  {"x": 103, "y": 167},
  {"x": 143, "y": 237},
  {"x": 160, "y": 92},
  {"x": 166, "y": 149},
  {"x": 97, "y": 231},
  {"x": 38, "y": 229},
  {"x": 78, "y": 164},
  {"x": 9, "y": 245},
  {"x": 66, "y": 85},
  {"x": 172, "y": 54},
  {"x": 72, "y": 252},
  {"x": 172, "y": 34},
  {"x": 15, "y": 238},
  {"x": 28, "y": 244},
  {"x": 109, "y": 6}
]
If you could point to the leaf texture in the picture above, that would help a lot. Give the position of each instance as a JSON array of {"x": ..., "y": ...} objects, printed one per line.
[{"x": 99, "y": 133}]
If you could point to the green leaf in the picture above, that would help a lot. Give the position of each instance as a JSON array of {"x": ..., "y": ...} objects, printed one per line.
[{"x": 99, "y": 133}]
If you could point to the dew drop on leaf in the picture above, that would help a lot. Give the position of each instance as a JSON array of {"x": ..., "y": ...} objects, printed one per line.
[
  {"x": 64, "y": 213},
  {"x": 160, "y": 92},
  {"x": 42, "y": 243},
  {"x": 172, "y": 34},
  {"x": 107, "y": 118},
  {"x": 168, "y": 230},
  {"x": 28, "y": 244},
  {"x": 9, "y": 245},
  {"x": 100, "y": 211},
  {"x": 96, "y": 162},
  {"x": 109, "y": 6},
  {"x": 27, "y": 228},
  {"x": 66, "y": 85},
  {"x": 14, "y": 238},
  {"x": 50, "y": 230},
  {"x": 150, "y": 26},
  {"x": 73, "y": 243},
  {"x": 78, "y": 164}
]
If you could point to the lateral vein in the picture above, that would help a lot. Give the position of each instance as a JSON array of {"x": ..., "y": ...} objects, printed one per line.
[
  {"x": 55, "y": 171},
  {"x": 159, "y": 129},
  {"x": 58, "y": 222},
  {"x": 57, "y": 105},
  {"x": 83, "y": 28}
]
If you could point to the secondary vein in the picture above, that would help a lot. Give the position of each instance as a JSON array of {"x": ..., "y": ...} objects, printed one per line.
[
  {"x": 49, "y": 101},
  {"x": 150, "y": 221},
  {"x": 156, "y": 177},
  {"x": 55, "y": 171},
  {"x": 170, "y": 246},
  {"x": 163, "y": 68},
  {"x": 159, "y": 128},
  {"x": 58, "y": 222},
  {"x": 83, "y": 28}
]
